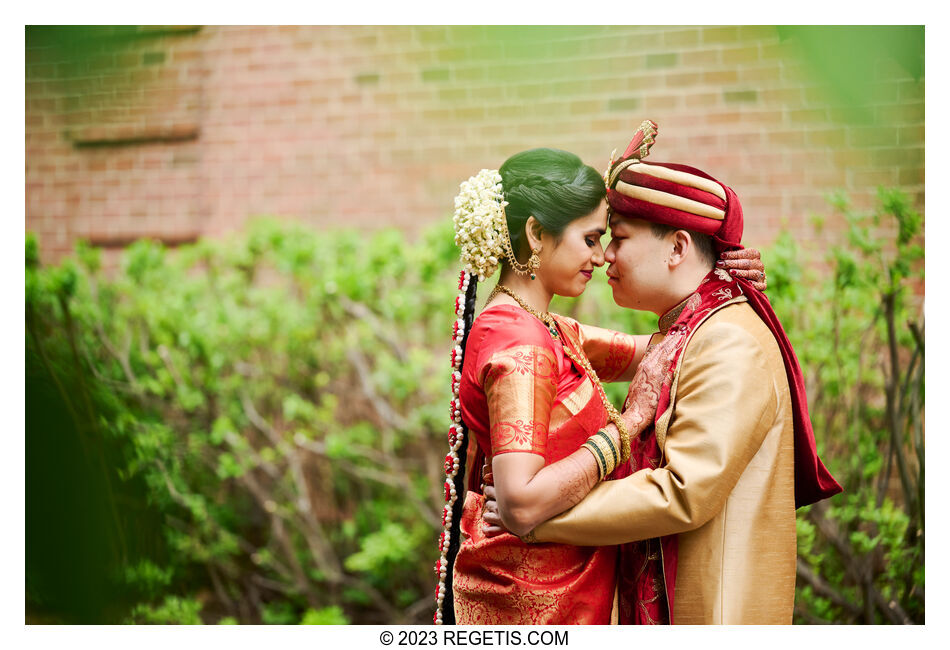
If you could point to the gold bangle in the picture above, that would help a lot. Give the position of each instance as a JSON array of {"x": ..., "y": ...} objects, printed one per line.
[
  {"x": 624, "y": 438},
  {"x": 529, "y": 538},
  {"x": 608, "y": 452},
  {"x": 610, "y": 445},
  {"x": 599, "y": 458},
  {"x": 605, "y": 452}
]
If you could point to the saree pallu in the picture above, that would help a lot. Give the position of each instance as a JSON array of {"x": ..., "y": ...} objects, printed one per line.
[{"x": 521, "y": 394}]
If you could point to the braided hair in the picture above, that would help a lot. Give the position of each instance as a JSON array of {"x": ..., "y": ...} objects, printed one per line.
[{"x": 553, "y": 186}]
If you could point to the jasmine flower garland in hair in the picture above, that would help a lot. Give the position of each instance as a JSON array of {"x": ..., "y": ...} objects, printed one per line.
[{"x": 481, "y": 231}]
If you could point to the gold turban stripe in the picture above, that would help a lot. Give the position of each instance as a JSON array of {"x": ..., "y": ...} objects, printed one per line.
[
  {"x": 669, "y": 200},
  {"x": 683, "y": 178}
]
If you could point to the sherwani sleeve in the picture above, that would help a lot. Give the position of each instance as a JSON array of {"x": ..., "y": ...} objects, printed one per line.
[{"x": 725, "y": 401}]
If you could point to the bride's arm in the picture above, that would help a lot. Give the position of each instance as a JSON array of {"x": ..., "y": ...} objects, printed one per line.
[
  {"x": 613, "y": 355},
  {"x": 526, "y": 493},
  {"x": 529, "y": 493},
  {"x": 520, "y": 384}
]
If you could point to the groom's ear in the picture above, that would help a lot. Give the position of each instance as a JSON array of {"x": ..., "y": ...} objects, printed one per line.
[{"x": 681, "y": 244}]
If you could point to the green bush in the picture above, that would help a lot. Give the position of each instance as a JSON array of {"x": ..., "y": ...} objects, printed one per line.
[
  {"x": 857, "y": 328},
  {"x": 277, "y": 400},
  {"x": 252, "y": 429}
]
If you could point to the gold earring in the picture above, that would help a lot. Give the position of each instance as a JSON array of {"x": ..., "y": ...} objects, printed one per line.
[{"x": 534, "y": 262}]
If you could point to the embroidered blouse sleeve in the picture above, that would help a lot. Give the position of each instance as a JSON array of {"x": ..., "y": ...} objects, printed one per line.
[
  {"x": 611, "y": 354},
  {"x": 520, "y": 383}
]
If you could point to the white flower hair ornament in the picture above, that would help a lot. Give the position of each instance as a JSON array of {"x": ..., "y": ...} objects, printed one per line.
[{"x": 481, "y": 230}]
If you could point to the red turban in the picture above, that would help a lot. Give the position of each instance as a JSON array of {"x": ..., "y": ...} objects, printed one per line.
[
  {"x": 685, "y": 197},
  {"x": 671, "y": 194}
]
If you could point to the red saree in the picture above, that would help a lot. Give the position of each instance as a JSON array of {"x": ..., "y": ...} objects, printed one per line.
[{"x": 521, "y": 394}]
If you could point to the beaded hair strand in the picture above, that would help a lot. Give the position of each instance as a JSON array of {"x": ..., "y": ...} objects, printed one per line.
[{"x": 450, "y": 538}]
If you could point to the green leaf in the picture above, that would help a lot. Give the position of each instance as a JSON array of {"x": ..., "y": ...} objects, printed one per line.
[{"x": 327, "y": 616}]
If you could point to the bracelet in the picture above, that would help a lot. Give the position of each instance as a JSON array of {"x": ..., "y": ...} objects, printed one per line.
[
  {"x": 607, "y": 450},
  {"x": 604, "y": 452},
  {"x": 610, "y": 445},
  {"x": 624, "y": 438},
  {"x": 598, "y": 455}
]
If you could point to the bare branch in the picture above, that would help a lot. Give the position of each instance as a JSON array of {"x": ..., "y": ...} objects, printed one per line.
[
  {"x": 392, "y": 478},
  {"x": 855, "y": 567},
  {"x": 395, "y": 616},
  {"x": 283, "y": 540},
  {"x": 388, "y": 417},
  {"x": 359, "y": 311},
  {"x": 317, "y": 540},
  {"x": 823, "y": 589}
]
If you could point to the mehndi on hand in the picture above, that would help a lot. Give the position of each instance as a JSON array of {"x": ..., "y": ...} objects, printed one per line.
[{"x": 745, "y": 264}]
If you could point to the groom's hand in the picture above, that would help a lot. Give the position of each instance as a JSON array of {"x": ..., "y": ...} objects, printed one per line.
[
  {"x": 745, "y": 264},
  {"x": 493, "y": 526},
  {"x": 644, "y": 392}
]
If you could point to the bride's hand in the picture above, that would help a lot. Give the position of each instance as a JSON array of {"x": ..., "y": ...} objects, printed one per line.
[
  {"x": 493, "y": 526},
  {"x": 745, "y": 264},
  {"x": 644, "y": 393}
]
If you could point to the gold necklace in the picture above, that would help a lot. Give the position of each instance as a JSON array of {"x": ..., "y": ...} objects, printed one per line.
[
  {"x": 581, "y": 360},
  {"x": 545, "y": 317}
]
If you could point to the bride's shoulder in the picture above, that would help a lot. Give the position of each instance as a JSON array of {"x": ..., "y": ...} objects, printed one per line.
[{"x": 501, "y": 326}]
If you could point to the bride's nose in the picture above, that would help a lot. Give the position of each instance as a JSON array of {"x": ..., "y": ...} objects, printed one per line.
[{"x": 597, "y": 259}]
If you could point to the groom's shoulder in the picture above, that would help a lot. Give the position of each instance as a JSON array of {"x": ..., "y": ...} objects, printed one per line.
[{"x": 736, "y": 326}]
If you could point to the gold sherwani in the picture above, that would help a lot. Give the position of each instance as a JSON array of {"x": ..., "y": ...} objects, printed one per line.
[{"x": 726, "y": 484}]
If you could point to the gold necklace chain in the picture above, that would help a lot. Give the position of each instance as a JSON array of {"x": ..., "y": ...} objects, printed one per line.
[
  {"x": 582, "y": 361},
  {"x": 543, "y": 316}
]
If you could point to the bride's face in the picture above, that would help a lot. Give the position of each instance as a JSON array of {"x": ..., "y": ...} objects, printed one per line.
[{"x": 567, "y": 265}]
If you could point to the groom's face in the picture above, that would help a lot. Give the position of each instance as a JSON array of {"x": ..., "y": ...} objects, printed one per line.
[{"x": 638, "y": 260}]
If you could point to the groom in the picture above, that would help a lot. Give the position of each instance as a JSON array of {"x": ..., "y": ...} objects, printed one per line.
[{"x": 707, "y": 516}]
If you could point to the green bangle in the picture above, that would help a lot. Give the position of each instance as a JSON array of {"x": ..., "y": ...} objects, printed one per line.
[
  {"x": 610, "y": 443},
  {"x": 607, "y": 452},
  {"x": 598, "y": 457}
]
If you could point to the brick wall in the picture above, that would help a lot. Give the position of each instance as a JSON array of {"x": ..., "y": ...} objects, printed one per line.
[{"x": 180, "y": 132}]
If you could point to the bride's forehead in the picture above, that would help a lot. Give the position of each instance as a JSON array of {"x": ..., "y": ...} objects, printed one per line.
[{"x": 596, "y": 220}]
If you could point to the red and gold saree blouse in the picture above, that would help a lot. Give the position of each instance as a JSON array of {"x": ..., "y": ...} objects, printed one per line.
[{"x": 520, "y": 393}]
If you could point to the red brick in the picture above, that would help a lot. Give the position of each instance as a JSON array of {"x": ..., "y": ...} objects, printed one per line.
[
  {"x": 724, "y": 117},
  {"x": 910, "y": 176},
  {"x": 834, "y": 137},
  {"x": 808, "y": 115},
  {"x": 873, "y": 177},
  {"x": 683, "y": 79},
  {"x": 868, "y": 136},
  {"x": 702, "y": 59},
  {"x": 743, "y": 55},
  {"x": 761, "y": 73},
  {"x": 720, "y": 34},
  {"x": 782, "y": 96},
  {"x": 704, "y": 100},
  {"x": 721, "y": 77},
  {"x": 758, "y": 33},
  {"x": 681, "y": 38}
]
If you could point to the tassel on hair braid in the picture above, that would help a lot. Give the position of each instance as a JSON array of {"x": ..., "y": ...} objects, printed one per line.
[{"x": 450, "y": 539}]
